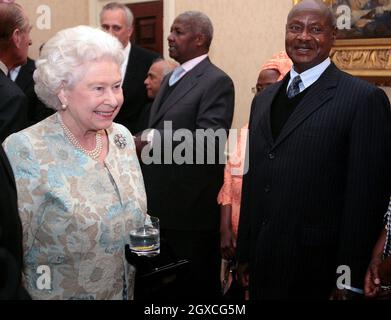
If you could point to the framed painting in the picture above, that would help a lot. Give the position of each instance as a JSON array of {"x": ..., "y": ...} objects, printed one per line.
[{"x": 363, "y": 45}]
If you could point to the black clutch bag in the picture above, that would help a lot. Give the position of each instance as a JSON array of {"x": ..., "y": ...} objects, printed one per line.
[{"x": 157, "y": 277}]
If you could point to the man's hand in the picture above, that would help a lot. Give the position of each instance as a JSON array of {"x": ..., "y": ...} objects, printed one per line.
[{"x": 372, "y": 278}]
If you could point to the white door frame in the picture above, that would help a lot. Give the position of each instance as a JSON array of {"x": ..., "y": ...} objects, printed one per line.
[{"x": 95, "y": 6}]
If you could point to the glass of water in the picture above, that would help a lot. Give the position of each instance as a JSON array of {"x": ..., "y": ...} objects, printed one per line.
[{"x": 145, "y": 237}]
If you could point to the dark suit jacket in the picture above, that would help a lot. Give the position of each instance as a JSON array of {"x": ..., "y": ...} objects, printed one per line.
[
  {"x": 135, "y": 93},
  {"x": 13, "y": 107},
  {"x": 11, "y": 255},
  {"x": 184, "y": 196},
  {"x": 314, "y": 199},
  {"x": 143, "y": 119},
  {"x": 37, "y": 110}
]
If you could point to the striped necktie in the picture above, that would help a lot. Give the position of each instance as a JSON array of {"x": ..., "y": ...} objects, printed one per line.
[{"x": 294, "y": 88}]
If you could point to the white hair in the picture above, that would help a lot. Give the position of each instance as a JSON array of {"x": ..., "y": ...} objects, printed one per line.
[{"x": 65, "y": 53}]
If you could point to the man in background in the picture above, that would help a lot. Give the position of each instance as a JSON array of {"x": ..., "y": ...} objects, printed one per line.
[
  {"x": 199, "y": 97},
  {"x": 117, "y": 19},
  {"x": 23, "y": 77},
  {"x": 158, "y": 70},
  {"x": 14, "y": 43}
]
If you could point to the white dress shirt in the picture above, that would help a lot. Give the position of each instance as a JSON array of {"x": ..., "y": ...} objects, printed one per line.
[
  {"x": 309, "y": 76},
  {"x": 124, "y": 65}
]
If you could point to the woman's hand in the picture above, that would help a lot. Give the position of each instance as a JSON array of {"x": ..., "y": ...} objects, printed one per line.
[
  {"x": 227, "y": 243},
  {"x": 227, "y": 237}
]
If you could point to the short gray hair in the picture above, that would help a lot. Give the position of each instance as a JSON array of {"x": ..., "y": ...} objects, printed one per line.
[
  {"x": 12, "y": 17},
  {"x": 200, "y": 24},
  {"x": 168, "y": 65},
  {"x": 115, "y": 5},
  {"x": 67, "y": 51}
]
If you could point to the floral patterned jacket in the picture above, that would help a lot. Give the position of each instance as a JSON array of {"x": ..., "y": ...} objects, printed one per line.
[{"x": 76, "y": 213}]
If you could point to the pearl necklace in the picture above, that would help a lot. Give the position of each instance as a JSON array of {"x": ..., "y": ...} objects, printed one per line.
[{"x": 95, "y": 153}]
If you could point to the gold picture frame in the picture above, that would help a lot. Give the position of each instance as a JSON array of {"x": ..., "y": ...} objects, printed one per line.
[{"x": 367, "y": 57}]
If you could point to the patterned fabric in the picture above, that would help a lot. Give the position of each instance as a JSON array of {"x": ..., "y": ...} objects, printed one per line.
[
  {"x": 387, "y": 245},
  {"x": 231, "y": 191},
  {"x": 294, "y": 88},
  {"x": 76, "y": 212}
]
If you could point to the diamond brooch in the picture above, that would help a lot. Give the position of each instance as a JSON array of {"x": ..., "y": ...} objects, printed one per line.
[{"x": 120, "y": 141}]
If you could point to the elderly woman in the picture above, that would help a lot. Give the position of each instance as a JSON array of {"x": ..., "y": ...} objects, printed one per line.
[{"x": 79, "y": 183}]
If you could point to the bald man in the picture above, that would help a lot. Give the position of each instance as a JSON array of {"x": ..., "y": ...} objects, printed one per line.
[
  {"x": 318, "y": 181},
  {"x": 158, "y": 70}
]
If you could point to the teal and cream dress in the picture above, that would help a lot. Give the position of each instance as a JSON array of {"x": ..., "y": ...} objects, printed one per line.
[{"x": 76, "y": 212}]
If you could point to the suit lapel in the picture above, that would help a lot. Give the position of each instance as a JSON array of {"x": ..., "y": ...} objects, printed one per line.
[
  {"x": 25, "y": 76},
  {"x": 190, "y": 80},
  {"x": 7, "y": 167},
  {"x": 321, "y": 92},
  {"x": 267, "y": 100}
]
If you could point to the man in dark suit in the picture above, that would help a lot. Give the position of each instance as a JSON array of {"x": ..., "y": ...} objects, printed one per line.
[
  {"x": 117, "y": 19},
  {"x": 319, "y": 172},
  {"x": 13, "y": 51},
  {"x": 23, "y": 77},
  {"x": 14, "y": 43},
  {"x": 11, "y": 250},
  {"x": 184, "y": 195}
]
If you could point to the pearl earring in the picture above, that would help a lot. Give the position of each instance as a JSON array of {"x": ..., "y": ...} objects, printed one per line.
[{"x": 63, "y": 106}]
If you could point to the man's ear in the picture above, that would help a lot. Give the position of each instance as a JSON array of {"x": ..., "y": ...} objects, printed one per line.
[
  {"x": 200, "y": 40},
  {"x": 335, "y": 31},
  {"x": 130, "y": 31},
  {"x": 16, "y": 38}
]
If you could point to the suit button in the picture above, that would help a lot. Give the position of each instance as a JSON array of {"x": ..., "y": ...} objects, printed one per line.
[
  {"x": 267, "y": 188},
  {"x": 271, "y": 155}
]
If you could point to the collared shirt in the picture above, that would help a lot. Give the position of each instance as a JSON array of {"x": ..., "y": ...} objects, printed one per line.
[
  {"x": 14, "y": 73},
  {"x": 189, "y": 65},
  {"x": 309, "y": 76},
  {"x": 3, "y": 67},
  {"x": 124, "y": 65}
]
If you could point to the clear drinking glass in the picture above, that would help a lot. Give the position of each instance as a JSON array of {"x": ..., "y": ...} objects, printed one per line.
[{"x": 145, "y": 237}]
